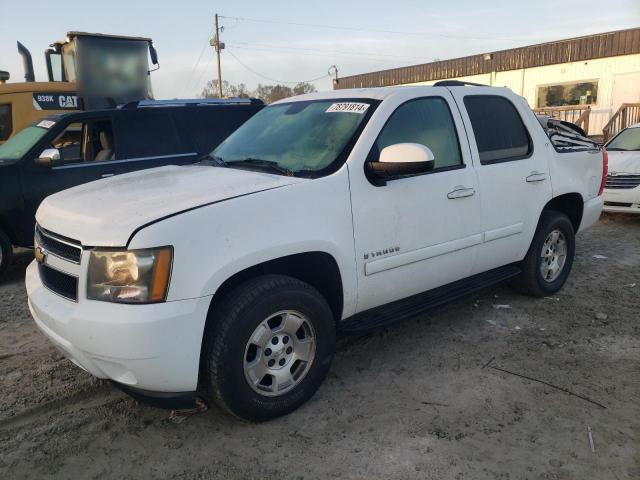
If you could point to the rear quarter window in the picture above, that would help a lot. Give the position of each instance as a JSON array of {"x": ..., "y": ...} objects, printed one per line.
[
  {"x": 206, "y": 127},
  {"x": 498, "y": 129}
]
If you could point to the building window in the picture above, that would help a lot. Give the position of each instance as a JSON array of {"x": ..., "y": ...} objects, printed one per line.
[
  {"x": 559, "y": 95},
  {"x": 6, "y": 122}
]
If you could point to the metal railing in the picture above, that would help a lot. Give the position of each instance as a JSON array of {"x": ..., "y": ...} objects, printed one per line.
[
  {"x": 576, "y": 114},
  {"x": 627, "y": 114}
]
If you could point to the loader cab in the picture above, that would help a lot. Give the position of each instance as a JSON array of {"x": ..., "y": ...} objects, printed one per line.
[{"x": 85, "y": 71}]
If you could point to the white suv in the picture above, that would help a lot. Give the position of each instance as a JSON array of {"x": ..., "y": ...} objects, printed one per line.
[
  {"x": 324, "y": 213},
  {"x": 622, "y": 191}
]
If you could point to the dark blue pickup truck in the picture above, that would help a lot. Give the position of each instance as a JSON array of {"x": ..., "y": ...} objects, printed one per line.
[{"x": 69, "y": 149}]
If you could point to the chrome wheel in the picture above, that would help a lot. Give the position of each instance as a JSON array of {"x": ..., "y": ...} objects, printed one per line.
[
  {"x": 553, "y": 256},
  {"x": 279, "y": 353}
]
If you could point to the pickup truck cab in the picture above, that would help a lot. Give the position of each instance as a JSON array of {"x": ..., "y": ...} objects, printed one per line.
[
  {"x": 622, "y": 191},
  {"x": 325, "y": 213},
  {"x": 66, "y": 150}
]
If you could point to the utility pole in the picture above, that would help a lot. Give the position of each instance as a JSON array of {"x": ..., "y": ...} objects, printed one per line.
[{"x": 218, "y": 45}]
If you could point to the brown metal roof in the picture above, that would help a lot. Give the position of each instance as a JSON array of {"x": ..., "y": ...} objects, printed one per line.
[{"x": 601, "y": 45}]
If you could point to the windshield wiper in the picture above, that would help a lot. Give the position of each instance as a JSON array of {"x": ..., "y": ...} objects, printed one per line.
[
  {"x": 268, "y": 165},
  {"x": 614, "y": 149},
  {"x": 218, "y": 161}
]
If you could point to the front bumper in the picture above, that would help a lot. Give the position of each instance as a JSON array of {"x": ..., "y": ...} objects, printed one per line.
[
  {"x": 152, "y": 347},
  {"x": 622, "y": 200}
]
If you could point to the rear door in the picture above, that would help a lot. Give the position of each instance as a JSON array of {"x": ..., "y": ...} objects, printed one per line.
[
  {"x": 149, "y": 138},
  {"x": 513, "y": 172}
]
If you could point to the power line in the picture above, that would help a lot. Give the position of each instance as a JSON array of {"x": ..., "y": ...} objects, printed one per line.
[
  {"x": 352, "y": 54},
  {"x": 323, "y": 55},
  {"x": 195, "y": 66},
  {"x": 273, "y": 79},
  {"x": 374, "y": 30}
]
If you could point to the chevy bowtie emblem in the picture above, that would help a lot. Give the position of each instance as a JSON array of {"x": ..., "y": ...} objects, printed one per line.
[{"x": 40, "y": 255}]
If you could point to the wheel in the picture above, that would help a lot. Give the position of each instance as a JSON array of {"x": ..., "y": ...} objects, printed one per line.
[
  {"x": 550, "y": 256},
  {"x": 6, "y": 252},
  {"x": 267, "y": 347}
]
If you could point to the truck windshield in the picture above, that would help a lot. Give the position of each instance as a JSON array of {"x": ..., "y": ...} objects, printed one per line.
[
  {"x": 21, "y": 143},
  {"x": 626, "y": 140},
  {"x": 305, "y": 138}
]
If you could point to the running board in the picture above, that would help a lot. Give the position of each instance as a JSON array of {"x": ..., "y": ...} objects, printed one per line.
[{"x": 416, "y": 304}]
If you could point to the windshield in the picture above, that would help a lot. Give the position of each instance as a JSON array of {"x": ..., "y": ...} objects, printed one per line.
[
  {"x": 295, "y": 138},
  {"x": 628, "y": 139},
  {"x": 21, "y": 143}
]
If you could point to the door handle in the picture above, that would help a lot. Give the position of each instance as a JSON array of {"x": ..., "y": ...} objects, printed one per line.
[
  {"x": 536, "y": 176},
  {"x": 460, "y": 191},
  {"x": 107, "y": 175}
]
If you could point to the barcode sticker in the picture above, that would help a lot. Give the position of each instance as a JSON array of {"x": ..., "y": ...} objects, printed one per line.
[{"x": 349, "y": 107}]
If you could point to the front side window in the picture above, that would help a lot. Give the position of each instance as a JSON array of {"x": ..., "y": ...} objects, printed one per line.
[
  {"x": 6, "y": 122},
  {"x": 564, "y": 94},
  {"x": 426, "y": 121},
  {"x": 626, "y": 140},
  {"x": 90, "y": 141},
  {"x": 498, "y": 129},
  {"x": 307, "y": 137}
]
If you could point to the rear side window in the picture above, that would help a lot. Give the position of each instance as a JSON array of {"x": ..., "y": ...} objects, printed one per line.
[
  {"x": 6, "y": 122},
  {"x": 147, "y": 134},
  {"x": 500, "y": 134}
]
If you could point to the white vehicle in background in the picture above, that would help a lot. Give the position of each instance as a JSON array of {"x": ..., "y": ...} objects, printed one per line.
[
  {"x": 622, "y": 190},
  {"x": 324, "y": 213}
]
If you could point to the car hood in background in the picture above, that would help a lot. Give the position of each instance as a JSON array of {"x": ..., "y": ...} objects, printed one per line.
[
  {"x": 624, "y": 162},
  {"x": 106, "y": 212}
]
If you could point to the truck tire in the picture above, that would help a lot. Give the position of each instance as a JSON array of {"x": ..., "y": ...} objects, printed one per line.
[
  {"x": 550, "y": 257},
  {"x": 6, "y": 252},
  {"x": 267, "y": 347}
]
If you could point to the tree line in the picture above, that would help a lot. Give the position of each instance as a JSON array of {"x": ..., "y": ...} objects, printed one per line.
[{"x": 266, "y": 93}]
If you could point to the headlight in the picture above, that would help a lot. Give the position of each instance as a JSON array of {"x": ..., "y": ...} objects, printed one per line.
[{"x": 129, "y": 276}]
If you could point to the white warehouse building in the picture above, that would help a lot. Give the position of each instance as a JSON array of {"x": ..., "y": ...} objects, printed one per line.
[{"x": 586, "y": 80}]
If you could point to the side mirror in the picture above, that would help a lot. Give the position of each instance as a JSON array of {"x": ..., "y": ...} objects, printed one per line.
[
  {"x": 402, "y": 159},
  {"x": 48, "y": 158},
  {"x": 153, "y": 53}
]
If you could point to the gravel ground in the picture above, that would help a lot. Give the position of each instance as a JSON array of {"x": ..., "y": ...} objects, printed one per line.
[{"x": 414, "y": 400}]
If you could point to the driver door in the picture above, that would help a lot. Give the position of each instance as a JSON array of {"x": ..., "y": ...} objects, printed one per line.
[
  {"x": 86, "y": 153},
  {"x": 417, "y": 232}
]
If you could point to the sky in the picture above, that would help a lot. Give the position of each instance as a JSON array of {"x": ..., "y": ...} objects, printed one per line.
[{"x": 287, "y": 42}]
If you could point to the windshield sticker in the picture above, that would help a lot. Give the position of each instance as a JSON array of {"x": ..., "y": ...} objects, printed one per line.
[
  {"x": 350, "y": 107},
  {"x": 46, "y": 124}
]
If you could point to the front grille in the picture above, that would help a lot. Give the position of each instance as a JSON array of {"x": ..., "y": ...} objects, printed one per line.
[
  {"x": 623, "y": 181},
  {"x": 63, "y": 284},
  {"x": 59, "y": 246},
  {"x": 617, "y": 204}
]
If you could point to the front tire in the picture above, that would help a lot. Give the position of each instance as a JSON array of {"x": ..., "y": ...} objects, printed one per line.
[
  {"x": 6, "y": 252},
  {"x": 548, "y": 262},
  {"x": 267, "y": 347}
]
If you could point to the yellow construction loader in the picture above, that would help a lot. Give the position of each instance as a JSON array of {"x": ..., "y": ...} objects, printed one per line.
[{"x": 85, "y": 71}]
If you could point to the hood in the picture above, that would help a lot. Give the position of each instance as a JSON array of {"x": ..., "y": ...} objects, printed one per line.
[
  {"x": 624, "y": 162},
  {"x": 106, "y": 212}
]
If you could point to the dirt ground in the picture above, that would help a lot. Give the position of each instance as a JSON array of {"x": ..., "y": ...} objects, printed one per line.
[{"x": 408, "y": 401}]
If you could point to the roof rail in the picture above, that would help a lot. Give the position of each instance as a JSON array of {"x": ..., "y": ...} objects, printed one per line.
[
  {"x": 190, "y": 101},
  {"x": 457, "y": 83}
]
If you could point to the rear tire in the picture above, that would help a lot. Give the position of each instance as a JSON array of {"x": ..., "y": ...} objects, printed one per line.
[
  {"x": 6, "y": 252},
  {"x": 548, "y": 262},
  {"x": 255, "y": 342}
]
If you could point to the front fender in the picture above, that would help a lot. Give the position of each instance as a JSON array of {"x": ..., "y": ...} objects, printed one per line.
[{"x": 213, "y": 243}]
